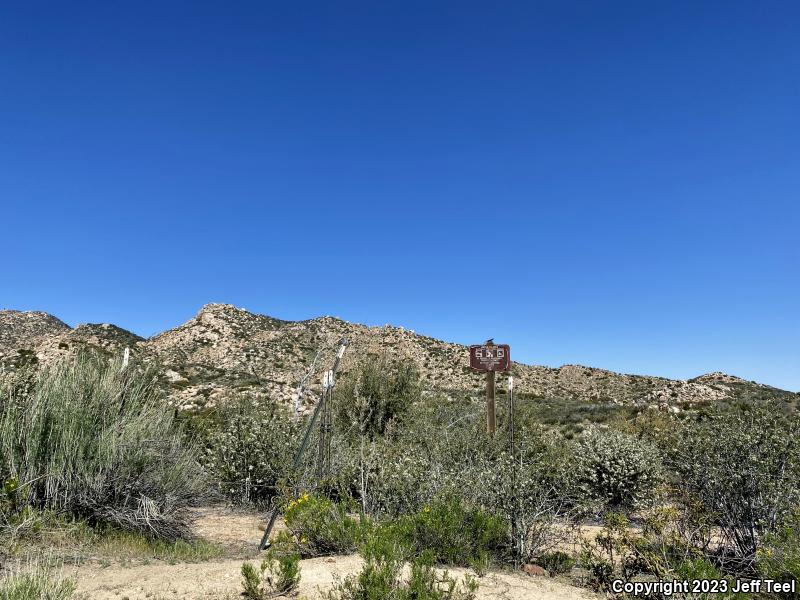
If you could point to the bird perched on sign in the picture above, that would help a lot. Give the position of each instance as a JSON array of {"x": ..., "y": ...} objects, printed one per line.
[{"x": 490, "y": 342}]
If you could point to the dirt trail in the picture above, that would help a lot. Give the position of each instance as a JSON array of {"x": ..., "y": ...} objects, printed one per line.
[{"x": 220, "y": 579}]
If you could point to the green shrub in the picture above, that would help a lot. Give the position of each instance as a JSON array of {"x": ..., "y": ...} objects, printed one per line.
[
  {"x": 701, "y": 569},
  {"x": 380, "y": 577},
  {"x": 449, "y": 532},
  {"x": 323, "y": 527},
  {"x": 36, "y": 583},
  {"x": 98, "y": 442},
  {"x": 9, "y": 495},
  {"x": 249, "y": 448},
  {"x": 617, "y": 470},
  {"x": 741, "y": 467},
  {"x": 426, "y": 583},
  {"x": 779, "y": 557},
  {"x": 556, "y": 562},
  {"x": 375, "y": 395},
  {"x": 277, "y": 574},
  {"x": 536, "y": 493},
  {"x": 251, "y": 581},
  {"x": 384, "y": 555},
  {"x": 287, "y": 573}
]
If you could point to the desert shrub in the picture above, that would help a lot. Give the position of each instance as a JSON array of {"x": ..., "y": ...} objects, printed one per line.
[
  {"x": 98, "y": 442},
  {"x": 400, "y": 483},
  {"x": 17, "y": 383},
  {"x": 451, "y": 532},
  {"x": 427, "y": 583},
  {"x": 37, "y": 582},
  {"x": 322, "y": 527},
  {"x": 779, "y": 557},
  {"x": 439, "y": 449},
  {"x": 374, "y": 395},
  {"x": 556, "y": 562},
  {"x": 536, "y": 493},
  {"x": 617, "y": 470},
  {"x": 381, "y": 581},
  {"x": 742, "y": 468},
  {"x": 249, "y": 448},
  {"x": 279, "y": 573},
  {"x": 384, "y": 555},
  {"x": 429, "y": 454},
  {"x": 661, "y": 550},
  {"x": 389, "y": 478},
  {"x": 380, "y": 578},
  {"x": 617, "y": 553},
  {"x": 701, "y": 569},
  {"x": 251, "y": 581}
]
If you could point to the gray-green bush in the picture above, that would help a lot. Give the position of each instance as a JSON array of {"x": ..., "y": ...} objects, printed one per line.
[
  {"x": 617, "y": 470},
  {"x": 373, "y": 396},
  {"x": 381, "y": 578},
  {"x": 36, "y": 582},
  {"x": 323, "y": 527},
  {"x": 451, "y": 532},
  {"x": 98, "y": 442},
  {"x": 279, "y": 574},
  {"x": 249, "y": 448},
  {"x": 741, "y": 467},
  {"x": 533, "y": 492}
]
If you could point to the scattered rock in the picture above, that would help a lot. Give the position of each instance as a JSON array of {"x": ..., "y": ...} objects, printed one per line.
[
  {"x": 534, "y": 570},
  {"x": 225, "y": 351}
]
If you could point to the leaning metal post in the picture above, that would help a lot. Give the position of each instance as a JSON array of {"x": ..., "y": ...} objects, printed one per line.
[{"x": 303, "y": 445}]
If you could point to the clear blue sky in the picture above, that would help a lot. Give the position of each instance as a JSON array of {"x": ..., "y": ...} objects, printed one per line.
[{"x": 606, "y": 183}]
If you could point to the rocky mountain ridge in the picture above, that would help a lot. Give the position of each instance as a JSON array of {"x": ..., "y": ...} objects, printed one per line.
[{"x": 224, "y": 351}]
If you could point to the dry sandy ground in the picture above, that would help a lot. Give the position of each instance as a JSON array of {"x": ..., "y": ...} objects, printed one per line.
[
  {"x": 220, "y": 580},
  {"x": 239, "y": 533}
]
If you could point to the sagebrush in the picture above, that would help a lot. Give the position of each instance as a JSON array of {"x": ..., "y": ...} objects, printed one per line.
[{"x": 98, "y": 442}]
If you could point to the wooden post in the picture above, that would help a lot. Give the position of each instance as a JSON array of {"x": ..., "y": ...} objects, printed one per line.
[{"x": 491, "y": 420}]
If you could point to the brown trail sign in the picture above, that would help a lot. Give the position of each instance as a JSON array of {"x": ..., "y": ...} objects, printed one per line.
[{"x": 490, "y": 357}]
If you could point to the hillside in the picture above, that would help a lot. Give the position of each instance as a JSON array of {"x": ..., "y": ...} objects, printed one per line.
[{"x": 225, "y": 350}]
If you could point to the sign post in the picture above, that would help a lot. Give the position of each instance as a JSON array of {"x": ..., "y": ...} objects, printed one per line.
[
  {"x": 490, "y": 357},
  {"x": 491, "y": 406}
]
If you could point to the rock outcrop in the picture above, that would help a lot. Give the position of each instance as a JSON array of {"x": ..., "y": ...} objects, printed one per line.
[{"x": 225, "y": 351}]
